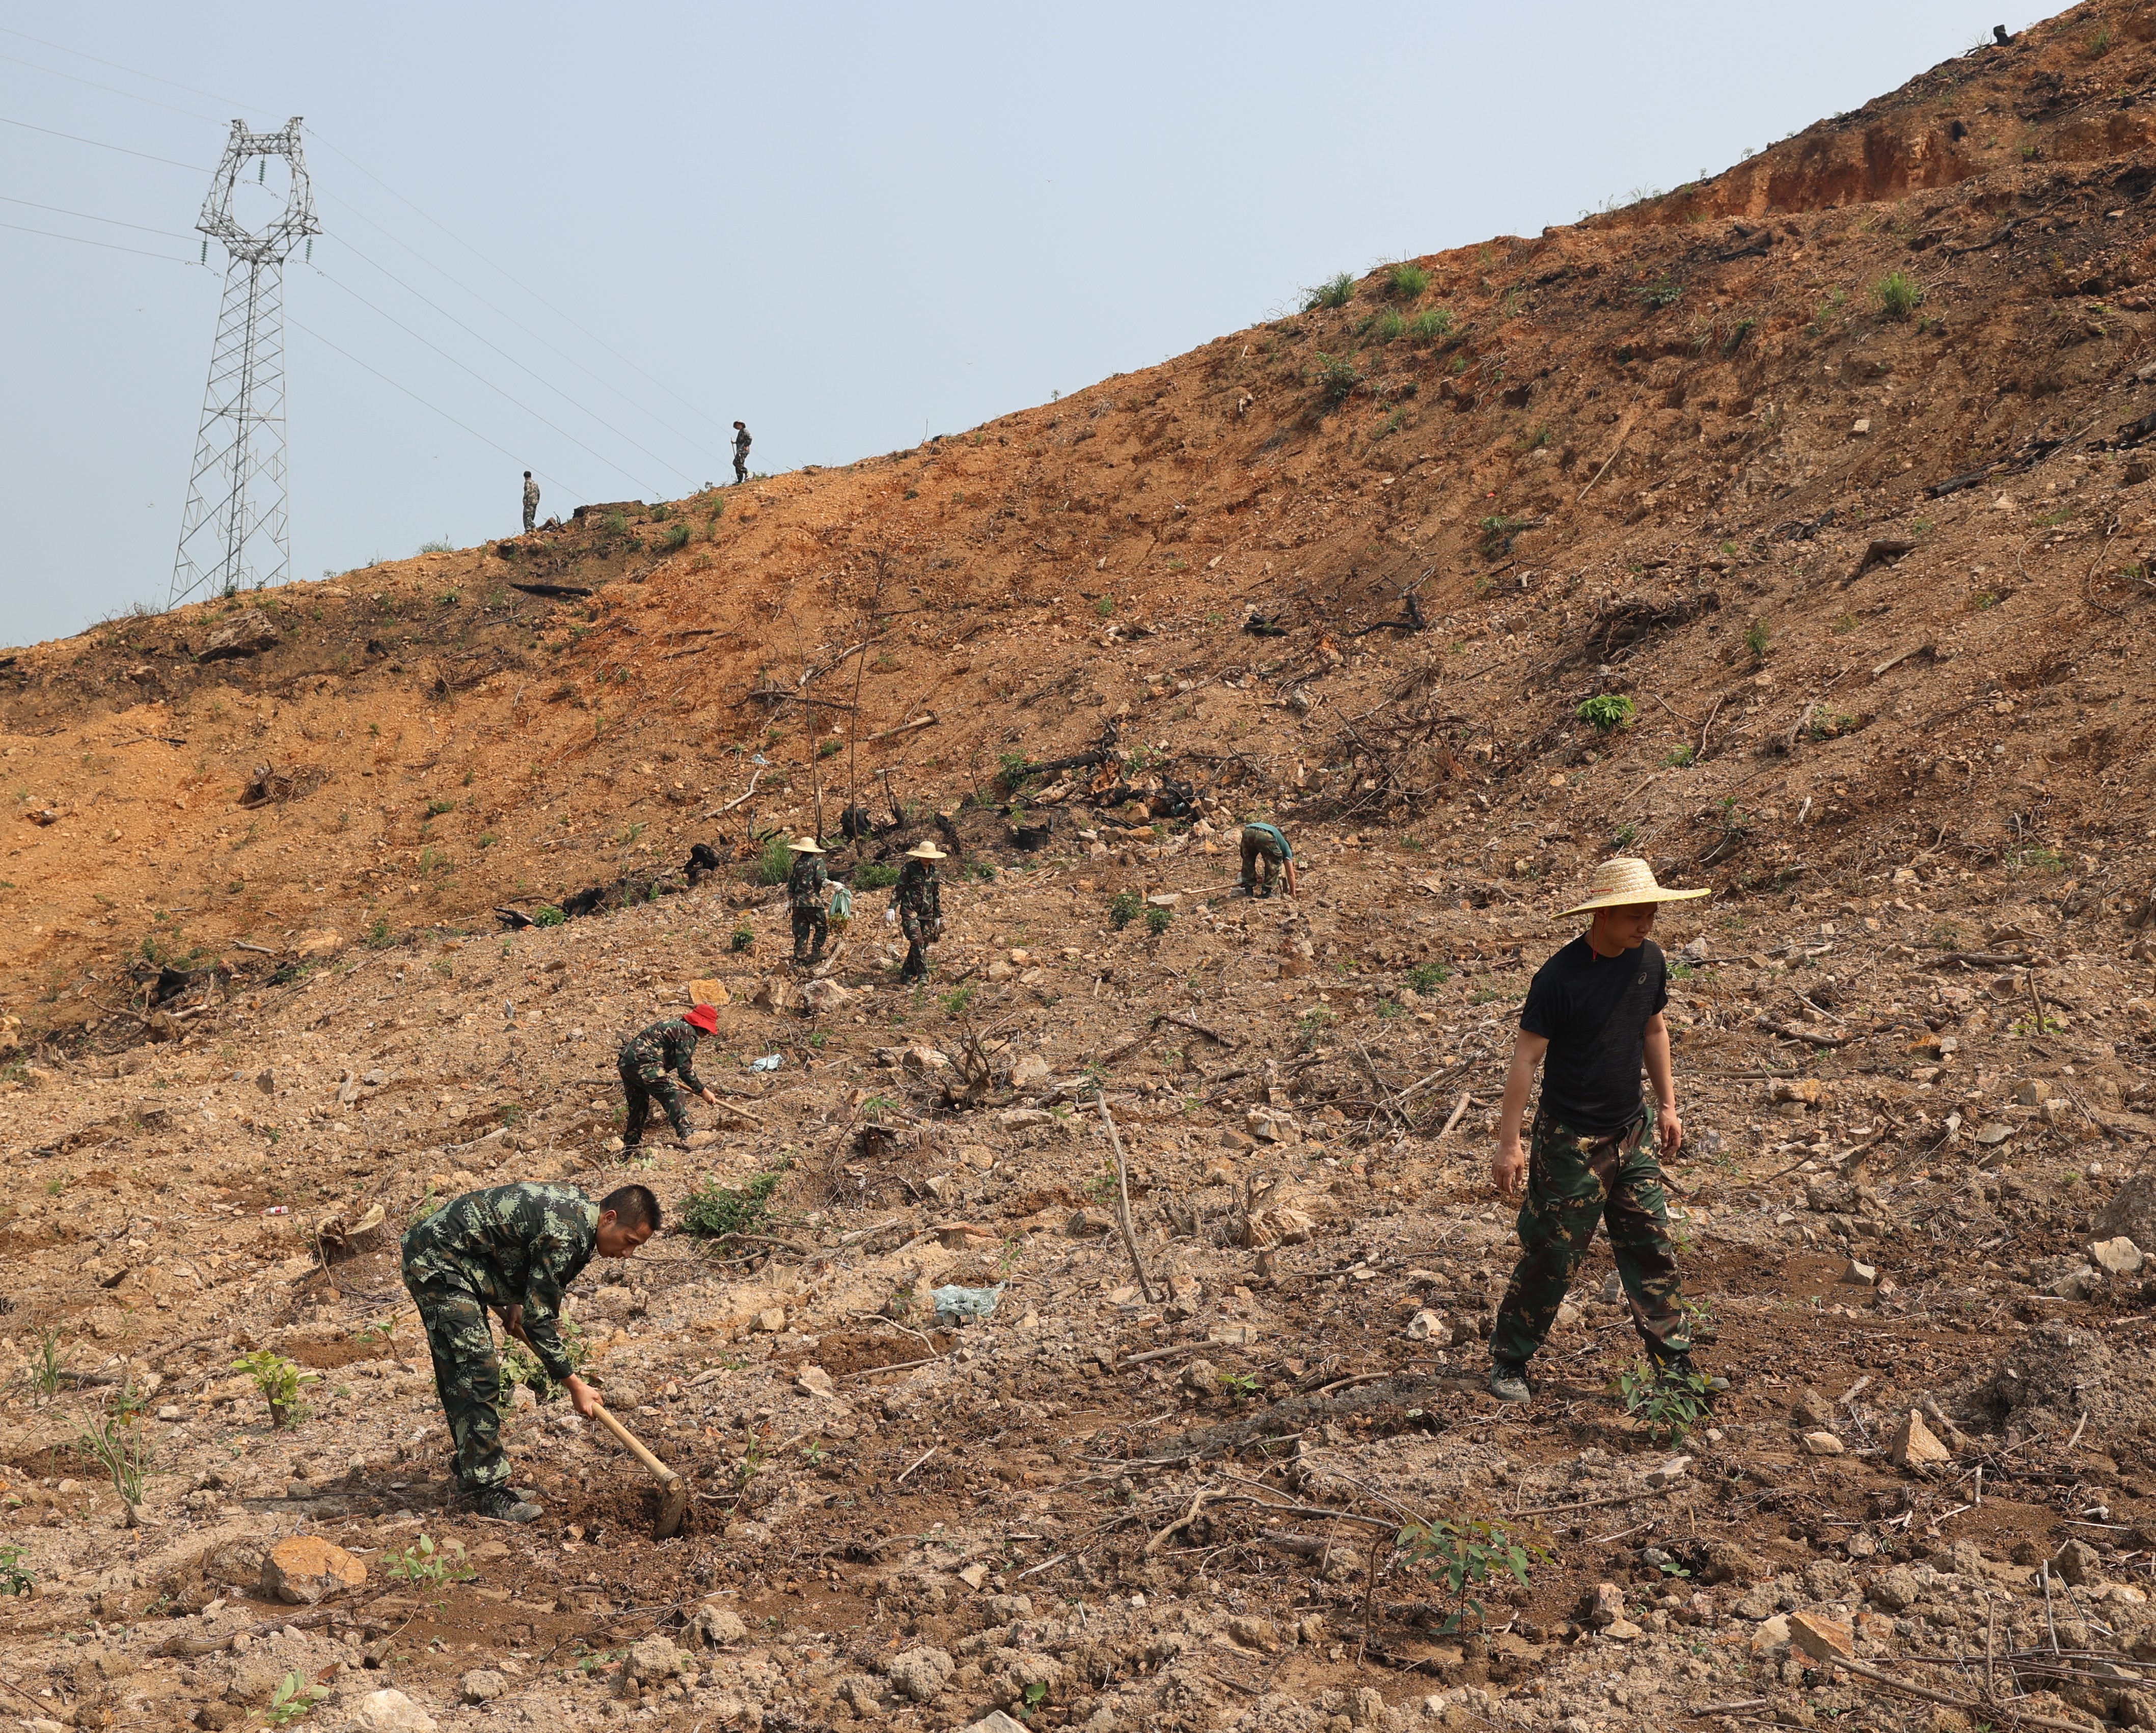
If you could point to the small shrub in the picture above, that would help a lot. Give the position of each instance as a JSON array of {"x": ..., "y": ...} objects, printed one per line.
[
  {"x": 1899, "y": 294},
  {"x": 1678, "y": 757},
  {"x": 1158, "y": 920},
  {"x": 1407, "y": 281},
  {"x": 1123, "y": 909},
  {"x": 1607, "y": 712},
  {"x": 422, "y": 1561},
  {"x": 14, "y": 1578},
  {"x": 1498, "y": 534},
  {"x": 1338, "y": 377},
  {"x": 1333, "y": 292},
  {"x": 548, "y": 915},
  {"x": 1385, "y": 326},
  {"x": 1757, "y": 638},
  {"x": 293, "y": 1699},
  {"x": 1462, "y": 1556},
  {"x": 1425, "y": 975},
  {"x": 1432, "y": 325},
  {"x": 775, "y": 862},
  {"x": 278, "y": 1380},
  {"x": 1668, "y": 1405},
  {"x": 1660, "y": 294},
  {"x": 874, "y": 876},
  {"x": 676, "y": 537},
  {"x": 1104, "y": 606},
  {"x": 521, "y": 1366},
  {"x": 715, "y": 1211},
  {"x": 742, "y": 938},
  {"x": 617, "y": 523},
  {"x": 379, "y": 937}
]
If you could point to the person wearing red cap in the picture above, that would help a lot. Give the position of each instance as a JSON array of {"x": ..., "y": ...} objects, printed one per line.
[{"x": 646, "y": 1057}]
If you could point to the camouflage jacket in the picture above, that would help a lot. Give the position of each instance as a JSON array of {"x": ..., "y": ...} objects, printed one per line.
[
  {"x": 805, "y": 883},
  {"x": 919, "y": 891},
  {"x": 668, "y": 1045},
  {"x": 508, "y": 1246},
  {"x": 531, "y": 493}
]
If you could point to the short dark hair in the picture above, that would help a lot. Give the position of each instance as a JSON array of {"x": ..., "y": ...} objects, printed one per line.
[{"x": 634, "y": 1206}]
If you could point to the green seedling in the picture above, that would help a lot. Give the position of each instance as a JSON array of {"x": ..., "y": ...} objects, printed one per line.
[
  {"x": 278, "y": 1380},
  {"x": 1669, "y": 1406},
  {"x": 1462, "y": 1556}
]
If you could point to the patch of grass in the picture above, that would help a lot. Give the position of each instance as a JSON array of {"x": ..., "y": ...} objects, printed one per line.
[
  {"x": 1158, "y": 920},
  {"x": 1624, "y": 837},
  {"x": 2039, "y": 861},
  {"x": 124, "y": 1451},
  {"x": 742, "y": 938},
  {"x": 1462, "y": 1555},
  {"x": 1104, "y": 606},
  {"x": 1432, "y": 325},
  {"x": 1678, "y": 757},
  {"x": 1757, "y": 638},
  {"x": 1498, "y": 533},
  {"x": 1385, "y": 326},
  {"x": 1407, "y": 281},
  {"x": 715, "y": 1211},
  {"x": 1607, "y": 712},
  {"x": 1310, "y": 1026},
  {"x": 1335, "y": 291},
  {"x": 676, "y": 537},
  {"x": 1338, "y": 377},
  {"x": 1899, "y": 294},
  {"x": 874, "y": 876},
  {"x": 1661, "y": 293},
  {"x": 775, "y": 862},
  {"x": 277, "y": 1380},
  {"x": 47, "y": 1364},
  {"x": 1425, "y": 975},
  {"x": 1124, "y": 908},
  {"x": 1389, "y": 1008},
  {"x": 444, "y": 546}
]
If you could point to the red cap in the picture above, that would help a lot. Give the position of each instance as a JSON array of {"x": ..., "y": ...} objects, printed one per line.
[{"x": 703, "y": 1018}]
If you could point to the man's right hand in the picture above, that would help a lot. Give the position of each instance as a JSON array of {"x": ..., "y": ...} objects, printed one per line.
[
  {"x": 1508, "y": 1166},
  {"x": 581, "y": 1396}
]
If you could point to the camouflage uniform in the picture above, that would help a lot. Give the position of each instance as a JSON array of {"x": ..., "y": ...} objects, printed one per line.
[
  {"x": 668, "y": 1045},
  {"x": 804, "y": 890},
  {"x": 1266, "y": 855},
  {"x": 531, "y": 504},
  {"x": 741, "y": 455},
  {"x": 920, "y": 905},
  {"x": 1573, "y": 1183},
  {"x": 510, "y": 1246}
]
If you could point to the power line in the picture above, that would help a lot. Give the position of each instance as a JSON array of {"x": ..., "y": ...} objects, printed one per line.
[
  {"x": 418, "y": 399},
  {"x": 109, "y": 246},
  {"x": 62, "y": 48},
  {"x": 515, "y": 362},
  {"x": 192, "y": 168},
  {"x": 54, "y": 72},
  {"x": 62, "y": 211},
  {"x": 512, "y": 278},
  {"x": 476, "y": 374},
  {"x": 503, "y": 313}
]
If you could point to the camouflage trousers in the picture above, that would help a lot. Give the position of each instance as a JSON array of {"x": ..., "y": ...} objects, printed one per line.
[
  {"x": 810, "y": 921},
  {"x": 643, "y": 1084},
  {"x": 918, "y": 934},
  {"x": 1573, "y": 1183},
  {"x": 467, "y": 1378},
  {"x": 1261, "y": 865}
]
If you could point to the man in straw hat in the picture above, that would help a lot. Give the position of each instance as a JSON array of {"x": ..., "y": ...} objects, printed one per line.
[
  {"x": 804, "y": 890},
  {"x": 1594, "y": 1013},
  {"x": 646, "y": 1057},
  {"x": 919, "y": 901}
]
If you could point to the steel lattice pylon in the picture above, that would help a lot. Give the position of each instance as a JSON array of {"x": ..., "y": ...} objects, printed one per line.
[{"x": 235, "y": 534}]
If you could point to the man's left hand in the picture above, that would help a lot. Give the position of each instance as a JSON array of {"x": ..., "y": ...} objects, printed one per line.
[
  {"x": 1669, "y": 1132},
  {"x": 512, "y": 1320}
]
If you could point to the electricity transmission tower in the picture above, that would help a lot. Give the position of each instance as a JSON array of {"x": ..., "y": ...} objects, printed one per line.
[{"x": 235, "y": 535}]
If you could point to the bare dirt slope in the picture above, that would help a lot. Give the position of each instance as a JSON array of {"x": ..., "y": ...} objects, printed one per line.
[{"x": 1790, "y": 529}]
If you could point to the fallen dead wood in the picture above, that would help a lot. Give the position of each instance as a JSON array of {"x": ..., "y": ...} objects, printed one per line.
[
  {"x": 919, "y": 721},
  {"x": 2008, "y": 1710},
  {"x": 1801, "y": 1032},
  {"x": 1123, "y": 1200},
  {"x": 1630, "y": 1498}
]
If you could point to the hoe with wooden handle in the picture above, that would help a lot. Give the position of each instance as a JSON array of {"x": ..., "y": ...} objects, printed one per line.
[{"x": 673, "y": 1489}]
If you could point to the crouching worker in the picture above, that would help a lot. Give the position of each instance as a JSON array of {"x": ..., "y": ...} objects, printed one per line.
[
  {"x": 511, "y": 1250},
  {"x": 1594, "y": 1016}
]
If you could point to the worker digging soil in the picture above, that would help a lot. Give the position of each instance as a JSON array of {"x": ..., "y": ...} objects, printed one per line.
[
  {"x": 646, "y": 1057},
  {"x": 511, "y": 1250},
  {"x": 1594, "y": 1013},
  {"x": 1267, "y": 856}
]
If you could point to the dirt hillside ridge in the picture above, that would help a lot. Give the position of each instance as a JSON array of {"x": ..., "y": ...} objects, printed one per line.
[{"x": 1791, "y": 530}]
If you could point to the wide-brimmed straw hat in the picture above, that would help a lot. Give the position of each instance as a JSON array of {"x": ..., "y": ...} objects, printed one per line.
[
  {"x": 1625, "y": 881},
  {"x": 925, "y": 852},
  {"x": 806, "y": 846}
]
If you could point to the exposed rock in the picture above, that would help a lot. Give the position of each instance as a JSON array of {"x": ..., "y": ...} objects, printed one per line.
[
  {"x": 654, "y": 1658},
  {"x": 1823, "y": 1443},
  {"x": 1606, "y": 1605},
  {"x": 715, "y": 1626},
  {"x": 481, "y": 1685},
  {"x": 2130, "y": 1213},
  {"x": 1895, "y": 1591},
  {"x": 1028, "y": 1071},
  {"x": 247, "y": 633},
  {"x": 2078, "y": 1563},
  {"x": 390, "y": 1712},
  {"x": 994, "y": 1721},
  {"x": 1812, "y": 1408},
  {"x": 303, "y": 1570},
  {"x": 1913, "y": 1443},
  {"x": 1821, "y": 1639},
  {"x": 919, "y": 1672},
  {"x": 2119, "y": 1257}
]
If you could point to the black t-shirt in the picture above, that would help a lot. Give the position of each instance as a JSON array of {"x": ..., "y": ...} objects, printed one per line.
[{"x": 1594, "y": 1011}]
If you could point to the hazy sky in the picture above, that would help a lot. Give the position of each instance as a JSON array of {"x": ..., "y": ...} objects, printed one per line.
[{"x": 848, "y": 227}]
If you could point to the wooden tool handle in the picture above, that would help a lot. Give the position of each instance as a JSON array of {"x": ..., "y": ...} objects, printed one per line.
[{"x": 630, "y": 1438}]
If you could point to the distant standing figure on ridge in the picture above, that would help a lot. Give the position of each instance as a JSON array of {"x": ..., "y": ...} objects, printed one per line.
[
  {"x": 740, "y": 452},
  {"x": 531, "y": 502}
]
